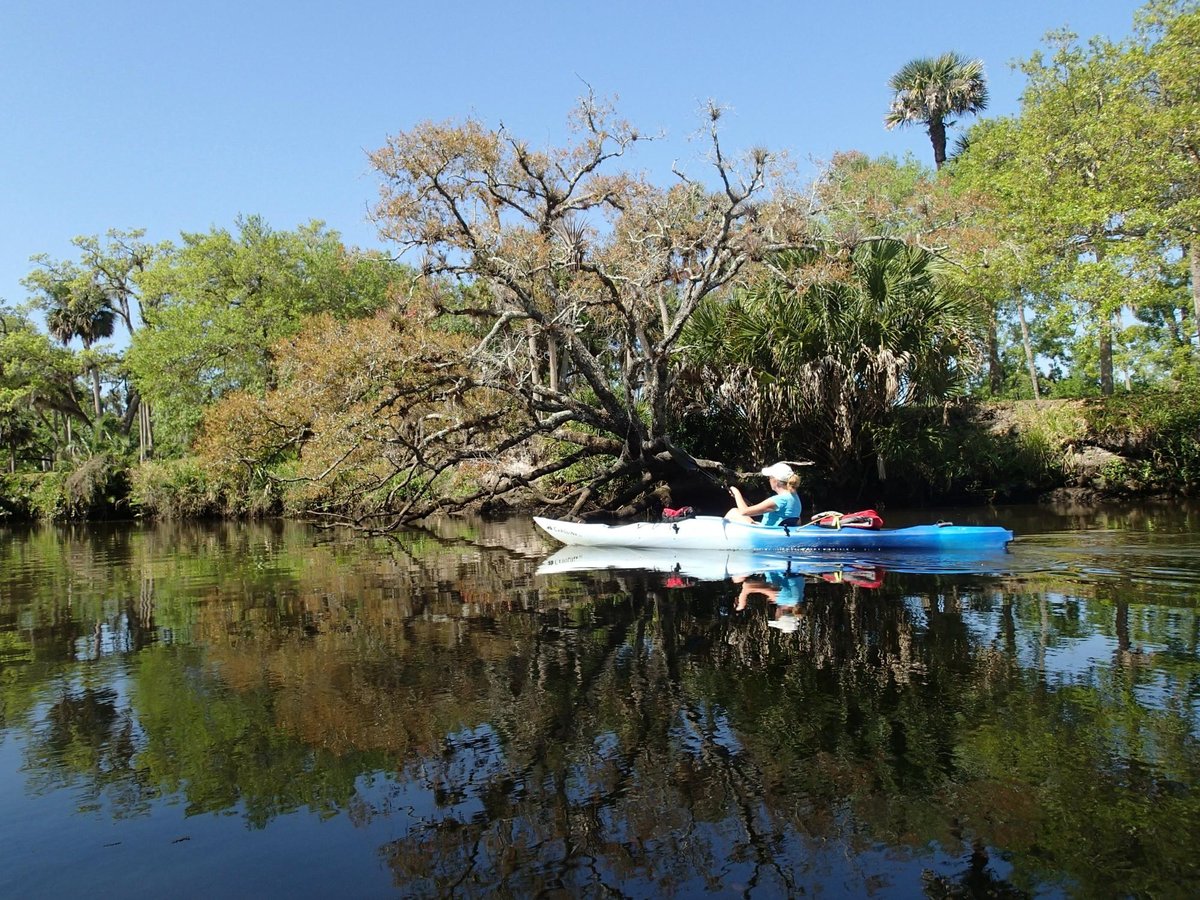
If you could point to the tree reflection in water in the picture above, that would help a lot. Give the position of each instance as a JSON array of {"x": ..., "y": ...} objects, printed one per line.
[{"x": 606, "y": 731}]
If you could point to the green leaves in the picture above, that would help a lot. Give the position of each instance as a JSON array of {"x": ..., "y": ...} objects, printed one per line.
[
  {"x": 36, "y": 374},
  {"x": 1092, "y": 194},
  {"x": 216, "y": 305}
]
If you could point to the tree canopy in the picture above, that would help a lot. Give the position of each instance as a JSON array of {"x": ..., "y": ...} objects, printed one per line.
[
  {"x": 583, "y": 277},
  {"x": 821, "y": 348},
  {"x": 1090, "y": 203},
  {"x": 216, "y": 305}
]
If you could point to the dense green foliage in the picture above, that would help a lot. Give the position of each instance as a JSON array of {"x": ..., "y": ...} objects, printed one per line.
[
  {"x": 826, "y": 346},
  {"x": 1091, "y": 191},
  {"x": 216, "y": 307},
  {"x": 201, "y": 320}
]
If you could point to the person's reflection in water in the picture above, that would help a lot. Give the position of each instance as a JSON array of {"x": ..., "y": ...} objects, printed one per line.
[{"x": 784, "y": 593}]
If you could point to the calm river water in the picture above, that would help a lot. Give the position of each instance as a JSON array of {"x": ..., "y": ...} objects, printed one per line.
[{"x": 270, "y": 710}]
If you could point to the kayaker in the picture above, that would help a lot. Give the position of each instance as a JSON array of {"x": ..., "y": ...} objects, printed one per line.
[{"x": 781, "y": 508}]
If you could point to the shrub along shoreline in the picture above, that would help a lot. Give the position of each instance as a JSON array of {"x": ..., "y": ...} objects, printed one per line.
[{"x": 971, "y": 452}]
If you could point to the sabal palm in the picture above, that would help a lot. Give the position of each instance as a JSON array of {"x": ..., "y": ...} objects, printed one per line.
[
  {"x": 930, "y": 91},
  {"x": 830, "y": 343},
  {"x": 82, "y": 310}
]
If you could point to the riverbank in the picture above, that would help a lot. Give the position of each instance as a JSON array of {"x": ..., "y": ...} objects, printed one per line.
[
  {"x": 1102, "y": 449},
  {"x": 1079, "y": 451}
]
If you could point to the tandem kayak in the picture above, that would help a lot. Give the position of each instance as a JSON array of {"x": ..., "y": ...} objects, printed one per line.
[{"x": 718, "y": 533}]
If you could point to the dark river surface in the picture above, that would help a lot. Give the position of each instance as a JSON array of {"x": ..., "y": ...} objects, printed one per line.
[{"x": 270, "y": 710}]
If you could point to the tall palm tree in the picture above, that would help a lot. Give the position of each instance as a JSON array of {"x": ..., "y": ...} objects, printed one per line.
[
  {"x": 81, "y": 310},
  {"x": 930, "y": 90}
]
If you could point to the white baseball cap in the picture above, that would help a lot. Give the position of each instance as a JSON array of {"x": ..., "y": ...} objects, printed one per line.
[{"x": 780, "y": 471}]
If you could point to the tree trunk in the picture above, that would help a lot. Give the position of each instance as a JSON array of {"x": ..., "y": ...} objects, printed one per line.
[
  {"x": 132, "y": 411},
  {"x": 1176, "y": 327},
  {"x": 995, "y": 372},
  {"x": 1033, "y": 379},
  {"x": 535, "y": 367},
  {"x": 937, "y": 137},
  {"x": 1106, "y": 333},
  {"x": 1106, "y": 357},
  {"x": 1194, "y": 266},
  {"x": 96, "y": 391},
  {"x": 552, "y": 360},
  {"x": 145, "y": 432},
  {"x": 51, "y": 426}
]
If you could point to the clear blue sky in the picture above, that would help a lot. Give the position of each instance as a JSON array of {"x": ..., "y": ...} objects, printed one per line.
[{"x": 174, "y": 116}]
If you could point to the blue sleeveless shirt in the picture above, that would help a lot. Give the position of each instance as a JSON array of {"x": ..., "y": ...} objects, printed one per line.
[{"x": 787, "y": 506}]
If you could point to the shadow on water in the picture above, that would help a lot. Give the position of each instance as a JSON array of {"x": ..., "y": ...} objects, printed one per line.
[{"x": 466, "y": 711}]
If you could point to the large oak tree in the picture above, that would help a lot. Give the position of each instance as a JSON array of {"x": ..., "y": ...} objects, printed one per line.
[{"x": 579, "y": 276}]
